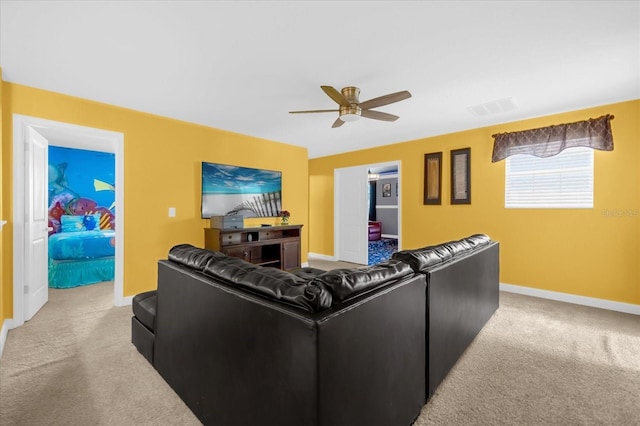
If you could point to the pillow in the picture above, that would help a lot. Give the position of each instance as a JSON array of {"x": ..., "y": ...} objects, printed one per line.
[{"x": 78, "y": 223}]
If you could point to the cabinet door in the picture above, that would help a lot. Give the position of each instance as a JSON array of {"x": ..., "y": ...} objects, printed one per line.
[
  {"x": 241, "y": 252},
  {"x": 290, "y": 255}
]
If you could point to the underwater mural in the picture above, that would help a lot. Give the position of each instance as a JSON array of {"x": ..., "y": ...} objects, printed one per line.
[{"x": 80, "y": 184}]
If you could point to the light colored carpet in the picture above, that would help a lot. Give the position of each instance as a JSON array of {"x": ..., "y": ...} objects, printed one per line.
[{"x": 535, "y": 362}]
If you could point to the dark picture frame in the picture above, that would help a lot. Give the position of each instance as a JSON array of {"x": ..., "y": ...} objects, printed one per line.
[
  {"x": 386, "y": 190},
  {"x": 461, "y": 176},
  {"x": 433, "y": 178}
]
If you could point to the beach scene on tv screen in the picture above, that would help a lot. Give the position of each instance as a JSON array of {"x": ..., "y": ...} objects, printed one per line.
[{"x": 228, "y": 190}]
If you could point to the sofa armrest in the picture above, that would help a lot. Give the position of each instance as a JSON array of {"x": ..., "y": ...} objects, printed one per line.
[
  {"x": 462, "y": 296},
  {"x": 372, "y": 352}
]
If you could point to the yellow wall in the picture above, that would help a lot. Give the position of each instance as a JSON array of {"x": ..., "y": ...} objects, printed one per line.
[
  {"x": 589, "y": 252},
  {"x": 162, "y": 169}
]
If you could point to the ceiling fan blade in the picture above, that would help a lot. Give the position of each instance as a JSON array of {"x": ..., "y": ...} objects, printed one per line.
[
  {"x": 337, "y": 123},
  {"x": 314, "y": 110},
  {"x": 385, "y": 100},
  {"x": 377, "y": 115},
  {"x": 336, "y": 96}
]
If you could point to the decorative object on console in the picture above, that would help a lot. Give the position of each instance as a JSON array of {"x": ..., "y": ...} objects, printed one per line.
[
  {"x": 284, "y": 217},
  {"x": 461, "y": 176},
  {"x": 235, "y": 221}
]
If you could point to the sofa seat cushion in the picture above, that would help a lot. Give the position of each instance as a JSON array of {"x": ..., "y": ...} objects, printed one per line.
[
  {"x": 423, "y": 258},
  {"x": 271, "y": 282},
  {"x": 345, "y": 283},
  {"x": 142, "y": 338},
  {"x": 144, "y": 308}
]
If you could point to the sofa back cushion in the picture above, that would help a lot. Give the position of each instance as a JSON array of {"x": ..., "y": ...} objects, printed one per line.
[
  {"x": 423, "y": 258},
  {"x": 272, "y": 283},
  {"x": 193, "y": 257},
  {"x": 345, "y": 283}
]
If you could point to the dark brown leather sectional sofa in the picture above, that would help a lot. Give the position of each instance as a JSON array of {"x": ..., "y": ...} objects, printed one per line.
[{"x": 243, "y": 344}]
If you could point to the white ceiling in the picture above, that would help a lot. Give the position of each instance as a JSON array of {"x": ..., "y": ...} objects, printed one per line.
[{"x": 241, "y": 66}]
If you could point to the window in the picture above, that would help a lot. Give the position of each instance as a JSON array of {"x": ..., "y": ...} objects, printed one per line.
[{"x": 562, "y": 181}]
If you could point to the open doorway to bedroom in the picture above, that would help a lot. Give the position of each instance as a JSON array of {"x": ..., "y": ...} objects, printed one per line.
[
  {"x": 30, "y": 177},
  {"x": 354, "y": 200},
  {"x": 81, "y": 217}
]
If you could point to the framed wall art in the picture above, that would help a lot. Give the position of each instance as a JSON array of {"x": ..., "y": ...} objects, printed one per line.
[
  {"x": 433, "y": 178},
  {"x": 461, "y": 176},
  {"x": 386, "y": 190}
]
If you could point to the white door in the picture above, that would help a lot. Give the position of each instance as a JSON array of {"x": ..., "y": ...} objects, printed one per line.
[
  {"x": 37, "y": 221},
  {"x": 351, "y": 215}
]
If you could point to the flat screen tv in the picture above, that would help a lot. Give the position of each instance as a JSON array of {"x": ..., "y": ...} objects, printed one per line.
[{"x": 228, "y": 190}]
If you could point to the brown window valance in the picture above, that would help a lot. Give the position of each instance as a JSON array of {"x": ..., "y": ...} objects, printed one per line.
[{"x": 548, "y": 141}]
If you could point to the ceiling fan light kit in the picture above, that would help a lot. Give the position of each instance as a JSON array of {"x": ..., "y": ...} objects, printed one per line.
[
  {"x": 351, "y": 113},
  {"x": 351, "y": 109}
]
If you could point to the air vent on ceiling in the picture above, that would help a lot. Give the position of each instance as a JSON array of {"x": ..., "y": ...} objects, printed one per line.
[{"x": 493, "y": 107}]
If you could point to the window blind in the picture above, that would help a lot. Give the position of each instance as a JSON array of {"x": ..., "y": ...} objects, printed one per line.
[{"x": 562, "y": 181}]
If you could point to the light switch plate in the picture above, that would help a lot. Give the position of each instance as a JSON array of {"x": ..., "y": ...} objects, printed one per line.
[{"x": 172, "y": 212}]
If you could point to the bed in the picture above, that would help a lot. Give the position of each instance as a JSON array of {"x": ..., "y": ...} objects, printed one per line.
[{"x": 81, "y": 258}]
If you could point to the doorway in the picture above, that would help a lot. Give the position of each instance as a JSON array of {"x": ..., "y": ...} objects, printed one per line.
[
  {"x": 351, "y": 211},
  {"x": 384, "y": 196},
  {"x": 71, "y": 136}
]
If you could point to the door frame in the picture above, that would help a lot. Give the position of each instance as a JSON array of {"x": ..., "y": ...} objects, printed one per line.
[
  {"x": 72, "y": 136},
  {"x": 340, "y": 210}
]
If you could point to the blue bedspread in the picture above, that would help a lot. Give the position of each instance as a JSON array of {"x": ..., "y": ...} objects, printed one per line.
[{"x": 82, "y": 245}]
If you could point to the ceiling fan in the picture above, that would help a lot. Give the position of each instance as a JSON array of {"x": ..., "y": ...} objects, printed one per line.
[{"x": 351, "y": 108}]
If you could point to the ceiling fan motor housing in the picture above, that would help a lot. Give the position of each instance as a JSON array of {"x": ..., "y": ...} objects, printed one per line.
[
  {"x": 353, "y": 112},
  {"x": 351, "y": 93}
]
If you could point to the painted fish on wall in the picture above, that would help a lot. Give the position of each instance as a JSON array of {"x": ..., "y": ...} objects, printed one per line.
[{"x": 86, "y": 167}]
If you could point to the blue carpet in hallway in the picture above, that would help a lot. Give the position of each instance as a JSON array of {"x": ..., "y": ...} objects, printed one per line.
[{"x": 381, "y": 250}]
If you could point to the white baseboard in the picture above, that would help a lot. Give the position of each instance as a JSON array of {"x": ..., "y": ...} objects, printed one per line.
[
  {"x": 124, "y": 301},
  {"x": 610, "y": 305},
  {"x": 6, "y": 326},
  {"x": 321, "y": 257}
]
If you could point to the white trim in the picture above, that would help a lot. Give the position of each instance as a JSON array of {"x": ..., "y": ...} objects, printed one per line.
[
  {"x": 6, "y": 326},
  {"x": 389, "y": 236},
  {"x": 610, "y": 305},
  {"x": 321, "y": 257},
  {"x": 80, "y": 137},
  {"x": 394, "y": 206},
  {"x": 2, "y": 223},
  {"x": 385, "y": 176}
]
